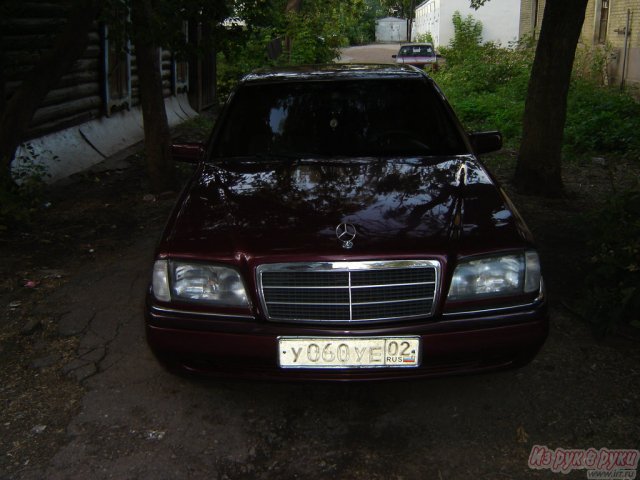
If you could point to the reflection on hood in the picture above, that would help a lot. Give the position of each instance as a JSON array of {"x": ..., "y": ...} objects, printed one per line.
[{"x": 406, "y": 204}]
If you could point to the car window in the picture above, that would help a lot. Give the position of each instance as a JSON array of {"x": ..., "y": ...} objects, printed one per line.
[
  {"x": 370, "y": 117},
  {"x": 416, "y": 51}
]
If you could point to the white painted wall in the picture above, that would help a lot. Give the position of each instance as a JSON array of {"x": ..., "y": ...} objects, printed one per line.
[{"x": 500, "y": 20}]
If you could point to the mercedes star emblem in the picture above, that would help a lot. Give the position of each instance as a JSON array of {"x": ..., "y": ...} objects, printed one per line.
[{"x": 346, "y": 232}]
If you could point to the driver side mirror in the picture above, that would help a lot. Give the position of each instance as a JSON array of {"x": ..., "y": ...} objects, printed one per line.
[{"x": 187, "y": 152}]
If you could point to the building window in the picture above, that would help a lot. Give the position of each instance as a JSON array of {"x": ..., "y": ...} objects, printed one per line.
[
  {"x": 117, "y": 73},
  {"x": 603, "y": 21},
  {"x": 180, "y": 68}
]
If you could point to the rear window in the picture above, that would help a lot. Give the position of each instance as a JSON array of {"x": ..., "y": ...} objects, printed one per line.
[
  {"x": 338, "y": 118},
  {"x": 416, "y": 51}
]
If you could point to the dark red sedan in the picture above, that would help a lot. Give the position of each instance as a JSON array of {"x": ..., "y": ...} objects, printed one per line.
[{"x": 340, "y": 227}]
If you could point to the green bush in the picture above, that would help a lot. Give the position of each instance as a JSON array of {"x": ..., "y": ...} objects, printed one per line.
[
  {"x": 466, "y": 39},
  {"x": 307, "y": 46},
  {"x": 487, "y": 85},
  {"x": 19, "y": 201},
  {"x": 601, "y": 120},
  {"x": 424, "y": 38}
]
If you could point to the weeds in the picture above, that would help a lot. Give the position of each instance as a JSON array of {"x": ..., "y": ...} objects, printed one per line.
[
  {"x": 601, "y": 120},
  {"x": 21, "y": 190}
]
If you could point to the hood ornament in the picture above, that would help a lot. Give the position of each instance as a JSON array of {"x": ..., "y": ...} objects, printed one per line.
[{"x": 346, "y": 232}]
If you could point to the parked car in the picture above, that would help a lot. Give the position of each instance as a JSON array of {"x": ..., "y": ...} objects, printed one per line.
[
  {"x": 339, "y": 226},
  {"x": 419, "y": 55}
]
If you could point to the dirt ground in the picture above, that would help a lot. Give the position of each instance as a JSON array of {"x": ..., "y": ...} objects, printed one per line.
[{"x": 82, "y": 397}]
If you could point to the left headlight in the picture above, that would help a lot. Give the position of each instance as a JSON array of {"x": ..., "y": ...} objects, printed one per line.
[
  {"x": 505, "y": 275},
  {"x": 198, "y": 282}
]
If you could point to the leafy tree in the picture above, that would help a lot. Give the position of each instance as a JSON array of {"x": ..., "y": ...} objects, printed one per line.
[
  {"x": 310, "y": 34},
  {"x": 538, "y": 170},
  {"x": 398, "y": 8},
  {"x": 155, "y": 24}
]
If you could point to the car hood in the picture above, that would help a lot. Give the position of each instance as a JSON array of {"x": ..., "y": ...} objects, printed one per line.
[{"x": 398, "y": 206}]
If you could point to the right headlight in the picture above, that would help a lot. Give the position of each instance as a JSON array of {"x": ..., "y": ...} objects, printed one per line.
[
  {"x": 496, "y": 276},
  {"x": 198, "y": 282}
]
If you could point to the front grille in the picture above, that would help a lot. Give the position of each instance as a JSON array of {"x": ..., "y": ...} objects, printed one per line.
[{"x": 344, "y": 292}]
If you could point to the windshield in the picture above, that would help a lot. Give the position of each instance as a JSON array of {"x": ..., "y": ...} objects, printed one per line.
[{"x": 359, "y": 118}]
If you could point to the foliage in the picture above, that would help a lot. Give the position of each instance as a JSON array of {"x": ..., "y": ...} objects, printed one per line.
[
  {"x": 485, "y": 83},
  {"x": 311, "y": 35},
  {"x": 601, "y": 120},
  {"x": 22, "y": 194},
  {"x": 397, "y": 8},
  {"x": 307, "y": 46},
  {"x": 614, "y": 277},
  {"x": 466, "y": 41},
  {"x": 591, "y": 63},
  {"x": 424, "y": 38},
  {"x": 237, "y": 57},
  {"x": 166, "y": 28}
]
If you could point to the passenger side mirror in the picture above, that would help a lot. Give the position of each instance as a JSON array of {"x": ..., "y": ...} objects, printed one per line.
[{"x": 485, "y": 142}]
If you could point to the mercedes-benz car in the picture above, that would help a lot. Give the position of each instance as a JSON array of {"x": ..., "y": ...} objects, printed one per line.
[{"x": 340, "y": 226}]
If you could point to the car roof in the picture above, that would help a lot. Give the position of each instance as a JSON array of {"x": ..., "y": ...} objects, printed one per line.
[{"x": 332, "y": 72}]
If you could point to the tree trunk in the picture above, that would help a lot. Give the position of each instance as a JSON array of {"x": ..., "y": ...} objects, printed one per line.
[
  {"x": 17, "y": 113},
  {"x": 157, "y": 136},
  {"x": 538, "y": 170}
]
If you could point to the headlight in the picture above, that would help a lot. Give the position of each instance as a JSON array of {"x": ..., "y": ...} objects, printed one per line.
[
  {"x": 496, "y": 276},
  {"x": 198, "y": 282},
  {"x": 160, "y": 281}
]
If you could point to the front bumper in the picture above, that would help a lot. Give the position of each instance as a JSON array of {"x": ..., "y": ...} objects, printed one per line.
[{"x": 244, "y": 348}]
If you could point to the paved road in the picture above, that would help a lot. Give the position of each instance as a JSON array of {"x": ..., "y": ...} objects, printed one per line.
[
  {"x": 139, "y": 422},
  {"x": 378, "y": 53}
]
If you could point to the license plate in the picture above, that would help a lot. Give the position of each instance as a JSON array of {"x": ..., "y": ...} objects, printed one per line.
[{"x": 349, "y": 352}]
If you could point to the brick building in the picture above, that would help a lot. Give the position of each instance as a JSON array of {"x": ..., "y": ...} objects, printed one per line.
[{"x": 605, "y": 25}]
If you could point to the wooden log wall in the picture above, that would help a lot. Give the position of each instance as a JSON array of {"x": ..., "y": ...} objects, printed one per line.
[{"x": 29, "y": 30}]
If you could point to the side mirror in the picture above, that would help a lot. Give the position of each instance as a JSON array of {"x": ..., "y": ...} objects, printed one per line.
[
  {"x": 394, "y": 56},
  {"x": 187, "y": 152},
  {"x": 485, "y": 142}
]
